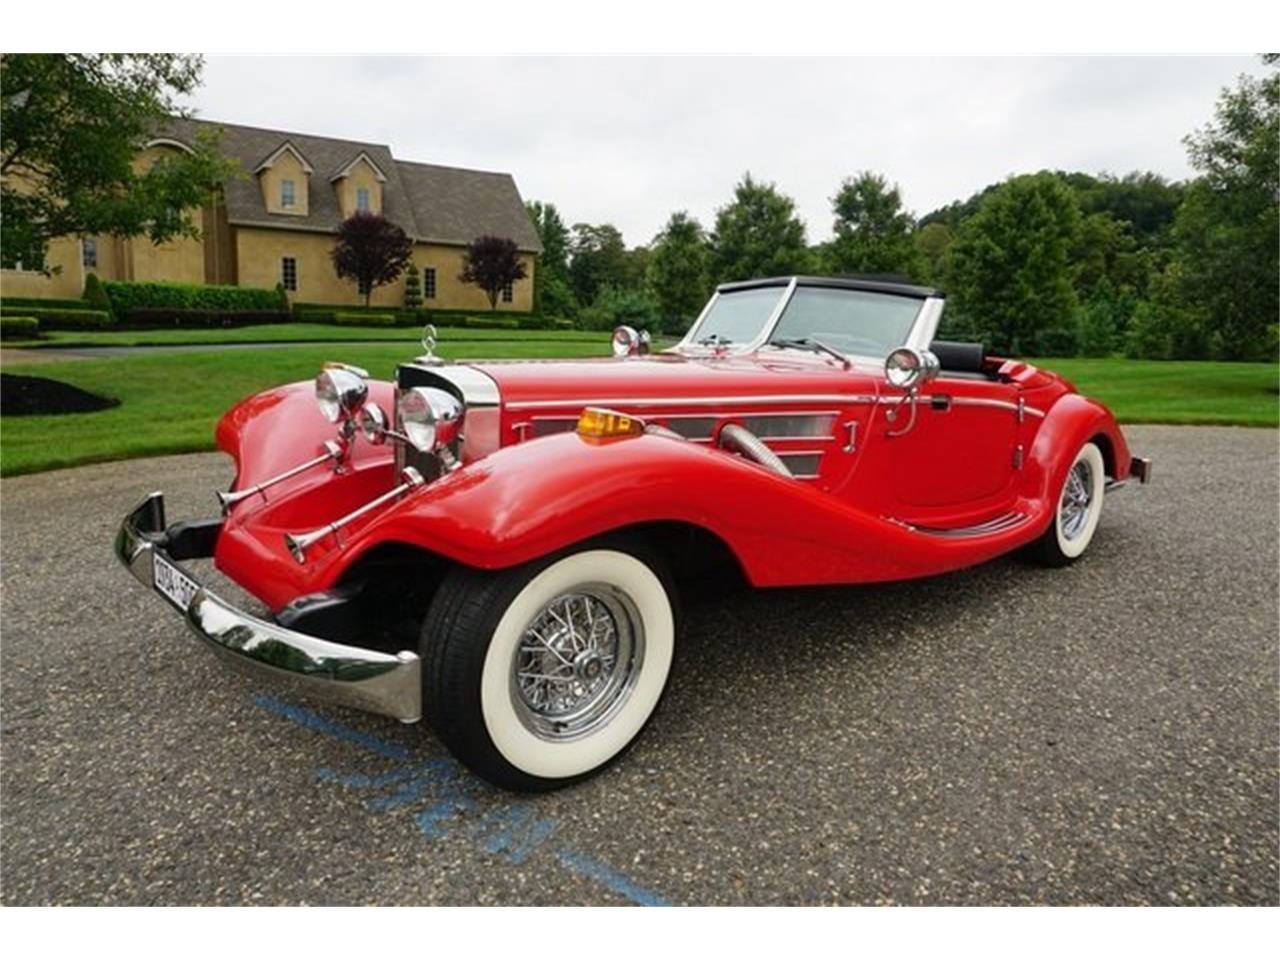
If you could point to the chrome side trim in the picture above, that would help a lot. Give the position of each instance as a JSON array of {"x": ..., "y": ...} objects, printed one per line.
[
  {"x": 694, "y": 401},
  {"x": 1019, "y": 409},
  {"x": 382, "y": 683},
  {"x": 1001, "y": 524}
]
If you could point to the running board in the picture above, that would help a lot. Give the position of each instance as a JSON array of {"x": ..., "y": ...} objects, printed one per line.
[{"x": 1001, "y": 524}]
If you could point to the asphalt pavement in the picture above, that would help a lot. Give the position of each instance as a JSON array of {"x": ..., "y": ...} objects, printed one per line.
[{"x": 1105, "y": 734}]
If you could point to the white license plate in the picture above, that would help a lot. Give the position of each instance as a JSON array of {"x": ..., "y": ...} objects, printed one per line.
[{"x": 172, "y": 582}]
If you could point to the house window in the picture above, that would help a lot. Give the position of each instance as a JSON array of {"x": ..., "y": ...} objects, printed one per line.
[
  {"x": 17, "y": 259},
  {"x": 428, "y": 283},
  {"x": 287, "y": 198},
  {"x": 362, "y": 199},
  {"x": 89, "y": 251},
  {"x": 289, "y": 273},
  {"x": 506, "y": 292}
]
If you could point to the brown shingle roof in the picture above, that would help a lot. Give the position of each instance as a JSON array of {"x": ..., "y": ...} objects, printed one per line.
[{"x": 440, "y": 204}]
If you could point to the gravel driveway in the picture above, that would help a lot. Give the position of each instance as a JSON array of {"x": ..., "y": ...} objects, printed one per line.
[{"x": 1102, "y": 734}]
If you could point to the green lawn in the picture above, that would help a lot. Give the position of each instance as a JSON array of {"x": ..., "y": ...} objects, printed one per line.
[
  {"x": 1172, "y": 391},
  {"x": 293, "y": 333},
  {"x": 171, "y": 401}
]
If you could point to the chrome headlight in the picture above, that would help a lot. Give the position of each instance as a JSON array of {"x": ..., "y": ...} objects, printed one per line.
[
  {"x": 340, "y": 392},
  {"x": 627, "y": 341},
  {"x": 431, "y": 418}
]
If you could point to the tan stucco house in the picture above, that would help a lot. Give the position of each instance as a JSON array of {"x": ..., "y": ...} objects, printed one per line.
[{"x": 276, "y": 224}]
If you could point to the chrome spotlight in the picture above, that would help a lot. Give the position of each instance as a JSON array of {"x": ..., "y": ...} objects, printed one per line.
[{"x": 628, "y": 342}]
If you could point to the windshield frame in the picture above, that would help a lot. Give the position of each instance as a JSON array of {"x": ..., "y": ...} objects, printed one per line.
[{"x": 919, "y": 336}]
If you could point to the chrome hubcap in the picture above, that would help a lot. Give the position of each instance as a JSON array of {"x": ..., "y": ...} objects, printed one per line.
[
  {"x": 576, "y": 662},
  {"x": 1077, "y": 498}
]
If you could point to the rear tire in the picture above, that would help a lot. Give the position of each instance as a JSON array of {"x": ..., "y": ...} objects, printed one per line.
[
  {"x": 542, "y": 675},
  {"x": 1077, "y": 511}
]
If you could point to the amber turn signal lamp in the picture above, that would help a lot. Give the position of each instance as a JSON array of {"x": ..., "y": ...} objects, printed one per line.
[{"x": 598, "y": 423}]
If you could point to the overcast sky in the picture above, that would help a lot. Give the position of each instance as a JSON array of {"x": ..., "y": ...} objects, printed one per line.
[{"x": 628, "y": 141}]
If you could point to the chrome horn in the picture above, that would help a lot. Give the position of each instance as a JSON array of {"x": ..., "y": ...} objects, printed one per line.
[
  {"x": 332, "y": 451},
  {"x": 298, "y": 544}
]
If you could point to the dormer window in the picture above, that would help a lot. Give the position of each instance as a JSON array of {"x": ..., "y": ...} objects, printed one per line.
[
  {"x": 284, "y": 177},
  {"x": 362, "y": 199},
  {"x": 288, "y": 198}
]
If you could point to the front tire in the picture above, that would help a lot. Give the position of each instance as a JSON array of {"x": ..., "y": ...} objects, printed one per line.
[
  {"x": 1078, "y": 509},
  {"x": 540, "y": 676}
]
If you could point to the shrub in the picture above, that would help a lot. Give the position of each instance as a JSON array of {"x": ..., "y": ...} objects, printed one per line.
[
  {"x": 492, "y": 323},
  {"x": 365, "y": 319},
  {"x": 170, "y": 317},
  {"x": 412, "y": 288},
  {"x": 189, "y": 296},
  {"x": 19, "y": 328},
  {"x": 61, "y": 319},
  {"x": 95, "y": 295}
]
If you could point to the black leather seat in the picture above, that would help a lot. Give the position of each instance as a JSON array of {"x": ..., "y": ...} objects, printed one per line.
[{"x": 962, "y": 360}]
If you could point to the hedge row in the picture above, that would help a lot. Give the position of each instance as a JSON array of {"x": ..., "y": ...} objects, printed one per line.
[
  {"x": 62, "y": 319},
  {"x": 169, "y": 317},
  {"x": 19, "y": 328},
  {"x": 364, "y": 319},
  {"x": 7, "y": 302},
  {"x": 190, "y": 296}
]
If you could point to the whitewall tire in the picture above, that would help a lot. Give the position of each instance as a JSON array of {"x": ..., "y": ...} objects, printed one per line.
[
  {"x": 1077, "y": 510},
  {"x": 539, "y": 676}
]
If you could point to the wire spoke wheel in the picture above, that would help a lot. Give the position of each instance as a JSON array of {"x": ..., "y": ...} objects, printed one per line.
[
  {"x": 576, "y": 662},
  {"x": 1077, "y": 498}
]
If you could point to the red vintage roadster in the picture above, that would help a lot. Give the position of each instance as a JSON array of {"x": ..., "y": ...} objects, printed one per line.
[{"x": 496, "y": 546}]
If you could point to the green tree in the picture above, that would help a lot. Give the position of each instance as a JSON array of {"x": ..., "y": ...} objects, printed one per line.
[
  {"x": 678, "y": 271},
  {"x": 599, "y": 260},
  {"x": 72, "y": 127},
  {"x": 1105, "y": 251},
  {"x": 932, "y": 242},
  {"x": 873, "y": 233},
  {"x": 1009, "y": 269},
  {"x": 614, "y": 305},
  {"x": 552, "y": 293},
  {"x": 1227, "y": 255},
  {"x": 758, "y": 235}
]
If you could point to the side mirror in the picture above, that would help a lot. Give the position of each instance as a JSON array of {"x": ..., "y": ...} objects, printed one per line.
[{"x": 909, "y": 369}]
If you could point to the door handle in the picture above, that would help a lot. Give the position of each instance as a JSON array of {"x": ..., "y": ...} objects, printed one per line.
[{"x": 940, "y": 402}]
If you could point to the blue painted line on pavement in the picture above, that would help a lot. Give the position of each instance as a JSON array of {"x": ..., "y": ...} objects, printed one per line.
[
  {"x": 512, "y": 830},
  {"x": 313, "y": 721},
  {"x": 604, "y": 874}
]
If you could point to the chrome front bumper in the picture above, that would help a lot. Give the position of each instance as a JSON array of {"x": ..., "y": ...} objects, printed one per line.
[{"x": 383, "y": 683}]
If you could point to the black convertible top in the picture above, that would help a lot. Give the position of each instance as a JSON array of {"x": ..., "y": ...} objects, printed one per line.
[{"x": 899, "y": 288}]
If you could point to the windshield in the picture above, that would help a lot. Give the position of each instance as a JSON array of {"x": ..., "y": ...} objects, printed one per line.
[
  {"x": 851, "y": 321},
  {"x": 738, "y": 316}
]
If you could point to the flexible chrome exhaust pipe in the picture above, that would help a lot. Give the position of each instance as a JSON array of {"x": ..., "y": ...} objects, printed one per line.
[
  {"x": 735, "y": 437},
  {"x": 299, "y": 543},
  {"x": 332, "y": 451}
]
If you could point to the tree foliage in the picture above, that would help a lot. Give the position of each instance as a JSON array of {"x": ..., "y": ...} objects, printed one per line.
[
  {"x": 599, "y": 260},
  {"x": 873, "y": 231},
  {"x": 758, "y": 235},
  {"x": 492, "y": 263},
  {"x": 552, "y": 293},
  {"x": 1010, "y": 271},
  {"x": 370, "y": 250},
  {"x": 1227, "y": 253},
  {"x": 71, "y": 129},
  {"x": 677, "y": 271},
  {"x": 635, "y": 306},
  {"x": 412, "y": 287}
]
